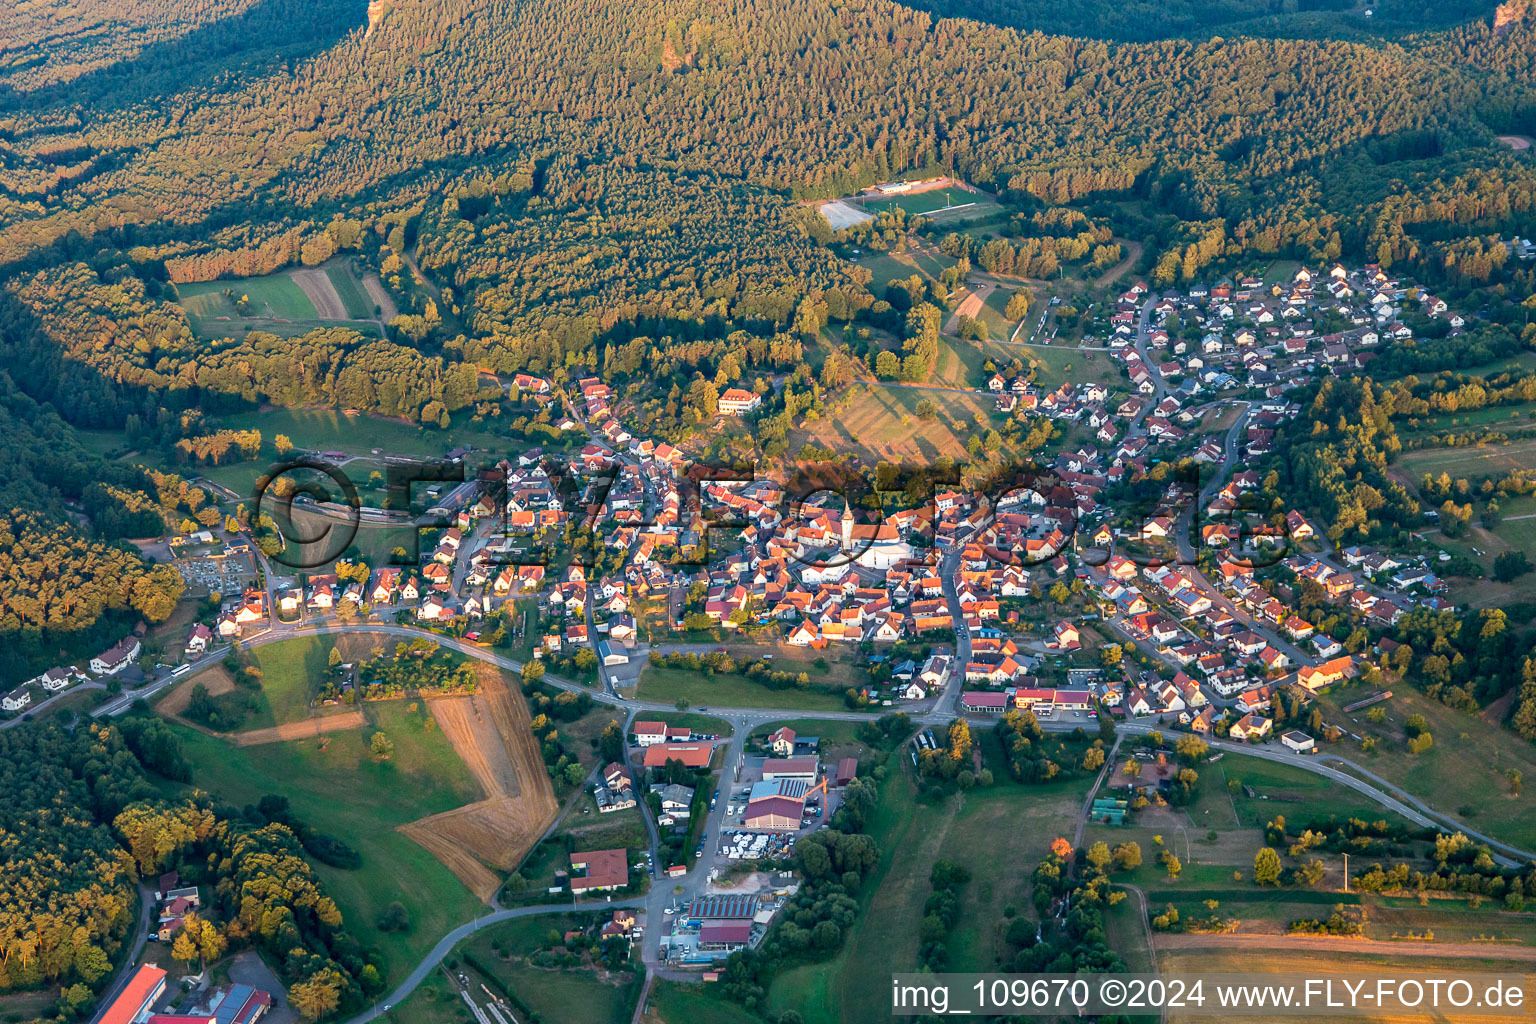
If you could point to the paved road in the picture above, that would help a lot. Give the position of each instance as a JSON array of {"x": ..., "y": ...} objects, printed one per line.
[
  {"x": 743, "y": 720},
  {"x": 1378, "y": 789},
  {"x": 141, "y": 937},
  {"x": 43, "y": 705},
  {"x": 464, "y": 931}
]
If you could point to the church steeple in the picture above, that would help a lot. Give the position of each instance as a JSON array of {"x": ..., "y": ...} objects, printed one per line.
[{"x": 847, "y": 526}]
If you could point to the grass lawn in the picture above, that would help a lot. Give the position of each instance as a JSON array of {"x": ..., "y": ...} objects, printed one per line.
[
  {"x": 26, "y": 1006},
  {"x": 835, "y": 740},
  {"x": 959, "y": 364},
  {"x": 1474, "y": 460},
  {"x": 888, "y": 267},
  {"x": 732, "y": 691},
  {"x": 288, "y": 668},
  {"x": 328, "y": 541},
  {"x": 273, "y": 295},
  {"x": 703, "y": 725},
  {"x": 1057, "y": 364},
  {"x": 1296, "y": 793},
  {"x": 349, "y": 291},
  {"x": 335, "y": 785},
  {"x": 358, "y": 434},
  {"x": 1281, "y": 272},
  {"x": 1463, "y": 774},
  {"x": 999, "y": 833},
  {"x": 673, "y": 1002},
  {"x": 558, "y": 995}
]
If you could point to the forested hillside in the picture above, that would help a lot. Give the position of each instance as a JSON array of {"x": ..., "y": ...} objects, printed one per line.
[
  {"x": 1163, "y": 19},
  {"x": 611, "y": 186}
]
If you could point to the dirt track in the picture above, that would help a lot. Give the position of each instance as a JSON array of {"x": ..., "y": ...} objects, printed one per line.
[
  {"x": 298, "y": 730},
  {"x": 491, "y": 733},
  {"x": 317, "y": 286},
  {"x": 1447, "y": 950}
]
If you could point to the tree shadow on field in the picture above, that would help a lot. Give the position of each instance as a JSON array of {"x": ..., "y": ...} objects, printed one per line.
[{"x": 224, "y": 53}]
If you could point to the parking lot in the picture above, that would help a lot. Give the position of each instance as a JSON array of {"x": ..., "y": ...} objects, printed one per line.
[{"x": 229, "y": 576}]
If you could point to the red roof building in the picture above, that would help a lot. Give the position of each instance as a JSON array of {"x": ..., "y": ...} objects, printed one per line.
[
  {"x": 601, "y": 869},
  {"x": 133, "y": 1004},
  {"x": 692, "y": 755}
]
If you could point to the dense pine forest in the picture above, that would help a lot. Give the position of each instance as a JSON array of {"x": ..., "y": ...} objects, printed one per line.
[{"x": 596, "y": 186}]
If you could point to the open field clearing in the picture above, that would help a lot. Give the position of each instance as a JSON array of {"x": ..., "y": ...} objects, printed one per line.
[
  {"x": 277, "y": 296},
  {"x": 1056, "y": 364},
  {"x": 215, "y": 678},
  {"x": 558, "y": 994},
  {"x": 673, "y": 1002},
  {"x": 325, "y": 538},
  {"x": 380, "y": 297},
  {"x": 1473, "y": 461},
  {"x": 1463, "y": 774},
  {"x": 289, "y": 302},
  {"x": 355, "y": 305},
  {"x": 1189, "y": 955},
  {"x": 960, "y": 363},
  {"x": 491, "y": 734},
  {"x": 359, "y": 434},
  {"x": 658, "y": 683},
  {"x": 336, "y": 785},
  {"x": 317, "y": 287},
  {"x": 880, "y": 421},
  {"x": 887, "y": 267},
  {"x": 346, "y": 721},
  {"x": 1518, "y": 143}
]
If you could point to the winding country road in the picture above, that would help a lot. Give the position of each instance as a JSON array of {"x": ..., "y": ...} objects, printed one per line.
[
  {"x": 743, "y": 721},
  {"x": 447, "y": 942}
]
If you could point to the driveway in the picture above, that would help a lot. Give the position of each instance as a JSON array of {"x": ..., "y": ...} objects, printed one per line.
[{"x": 249, "y": 968}]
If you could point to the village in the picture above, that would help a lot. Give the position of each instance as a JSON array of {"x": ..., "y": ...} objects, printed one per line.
[
  {"x": 947, "y": 586},
  {"x": 1090, "y": 585}
]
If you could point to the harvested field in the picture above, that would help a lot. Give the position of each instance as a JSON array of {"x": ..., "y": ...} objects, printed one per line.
[
  {"x": 491, "y": 733},
  {"x": 380, "y": 296},
  {"x": 971, "y": 305},
  {"x": 216, "y": 678},
  {"x": 321, "y": 293},
  {"x": 467, "y": 722},
  {"x": 305, "y": 729}
]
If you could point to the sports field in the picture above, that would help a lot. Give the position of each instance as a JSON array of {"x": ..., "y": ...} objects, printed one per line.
[{"x": 948, "y": 203}]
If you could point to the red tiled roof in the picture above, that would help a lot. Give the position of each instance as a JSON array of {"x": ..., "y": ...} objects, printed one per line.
[{"x": 141, "y": 988}]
